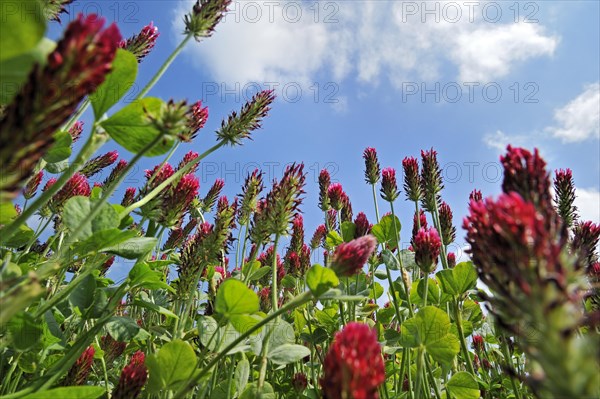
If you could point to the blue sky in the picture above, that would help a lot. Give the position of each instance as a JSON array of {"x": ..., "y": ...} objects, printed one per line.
[{"x": 387, "y": 75}]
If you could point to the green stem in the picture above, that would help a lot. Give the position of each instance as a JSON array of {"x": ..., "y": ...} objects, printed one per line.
[
  {"x": 420, "y": 360},
  {"x": 461, "y": 337},
  {"x": 274, "y": 289},
  {"x": 375, "y": 202},
  {"x": 508, "y": 359},
  {"x": 191, "y": 382},
  {"x": 164, "y": 67},
  {"x": 95, "y": 141}
]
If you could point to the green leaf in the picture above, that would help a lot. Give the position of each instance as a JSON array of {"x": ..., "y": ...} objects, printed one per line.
[
  {"x": 131, "y": 128},
  {"x": 141, "y": 275},
  {"x": 25, "y": 331},
  {"x": 333, "y": 239},
  {"x": 101, "y": 240},
  {"x": 387, "y": 231},
  {"x": 133, "y": 248},
  {"x": 252, "y": 392},
  {"x": 242, "y": 373},
  {"x": 320, "y": 279},
  {"x": 348, "y": 231},
  {"x": 172, "y": 365},
  {"x": 390, "y": 260},
  {"x": 234, "y": 298},
  {"x": 156, "y": 308},
  {"x": 430, "y": 328},
  {"x": 81, "y": 297},
  {"x": 408, "y": 259},
  {"x": 244, "y": 322},
  {"x": 76, "y": 213},
  {"x": 60, "y": 149},
  {"x": 288, "y": 353},
  {"x": 14, "y": 71},
  {"x": 80, "y": 392},
  {"x": 123, "y": 329},
  {"x": 22, "y": 27},
  {"x": 260, "y": 273},
  {"x": 116, "y": 84},
  {"x": 459, "y": 280},
  {"x": 7, "y": 214},
  {"x": 56, "y": 168},
  {"x": 463, "y": 385}
]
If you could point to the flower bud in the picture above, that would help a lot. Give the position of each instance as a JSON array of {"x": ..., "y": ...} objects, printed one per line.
[
  {"x": 389, "y": 186},
  {"x": 372, "y": 168},
  {"x": 350, "y": 257}
]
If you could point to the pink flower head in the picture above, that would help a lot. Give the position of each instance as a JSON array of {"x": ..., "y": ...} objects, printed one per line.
[
  {"x": 335, "y": 192},
  {"x": 187, "y": 158},
  {"x": 389, "y": 186},
  {"x": 421, "y": 222},
  {"x": 448, "y": 230},
  {"x": 76, "y": 130},
  {"x": 427, "y": 244},
  {"x": 353, "y": 367},
  {"x": 475, "y": 196},
  {"x": 318, "y": 237},
  {"x": 412, "y": 184},
  {"x": 128, "y": 197},
  {"x": 77, "y": 185},
  {"x": 478, "y": 343},
  {"x": 133, "y": 378},
  {"x": 372, "y": 168},
  {"x": 350, "y": 257},
  {"x": 451, "y": 259},
  {"x": 32, "y": 185},
  {"x": 197, "y": 117}
]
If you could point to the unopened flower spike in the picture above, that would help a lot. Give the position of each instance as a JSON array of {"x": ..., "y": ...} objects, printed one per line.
[
  {"x": 448, "y": 232},
  {"x": 53, "y": 9},
  {"x": 205, "y": 15},
  {"x": 252, "y": 187},
  {"x": 197, "y": 116},
  {"x": 324, "y": 183},
  {"x": 141, "y": 44},
  {"x": 133, "y": 378},
  {"x": 336, "y": 194},
  {"x": 412, "y": 183},
  {"x": 115, "y": 173},
  {"x": 372, "y": 168},
  {"x": 363, "y": 227},
  {"x": 209, "y": 201},
  {"x": 95, "y": 165},
  {"x": 431, "y": 180},
  {"x": 238, "y": 127},
  {"x": 32, "y": 185},
  {"x": 564, "y": 196}
]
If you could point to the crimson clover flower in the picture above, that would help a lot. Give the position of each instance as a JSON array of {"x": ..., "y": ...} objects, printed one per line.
[
  {"x": 75, "y": 186},
  {"x": 115, "y": 173},
  {"x": 353, "y": 367},
  {"x": 431, "y": 180},
  {"x": 204, "y": 17},
  {"x": 349, "y": 257},
  {"x": 252, "y": 187},
  {"x": 389, "y": 186},
  {"x": 318, "y": 238},
  {"x": 363, "y": 227},
  {"x": 448, "y": 231},
  {"x": 77, "y": 66},
  {"x": 421, "y": 222},
  {"x": 32, "y": 185},
  {"x": 335, "y": 193},
  {"x": 427, "y": 244},
  {"x": 133, "y": 378},
  {"x": 564, "y": 196},
  {"x": 284, "y": 199},
  {"x": 412, "y": 183},
  {"x": 475, "y": 196},
  {"x": 372, "y": 168},
  {"x": 79, "y": 371},
  {"x": 141, "y": 44},
  {"x": 239, "y": 126},
  {"x": 324, "y": 183},
  {"x": 95, "y": 165}
]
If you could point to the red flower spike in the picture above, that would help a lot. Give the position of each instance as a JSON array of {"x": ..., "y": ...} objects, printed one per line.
[
  {"x": 421, "y": 222},
  {"x": 128, "y": 197},
  {"x": 448, "y": 230},
  {"x": 564, "y": 197},
  {"x": 372, "y": 168},
  {"x": 353, "y": 367},
  {"x": 475, "y": 196},
  {"x": 95, "y": 165},
  {"x": 208, "y": 202},
  {"x": 318, "y": 237},
  {"x": 349, "y": 257},
  {"x": 389, "y": 186},
  {"x": 336, "y": 194},
  {"x": 431, "y": 180},
  {"x": 79, "y": 372},
  {"x": 77, "y": 185},
  {"x": 76, "y": 130},
  {"x": 363, "y": 227},
  {"x": 412, "y": 184},
  {"x": 324, "y": 183},
  {"x": 32, "y": 185},
  {"x": 478, "y": 343},
  {"x": 133, "y": 378},
  {"x": 77, "y": 66},
  {"x": 142, "y": 43},
  {"x": 427, "y": 244},
  {"x": 451, "y": 259},
  {"x": 299, "y": 382},
  {"x": 187, "y": 158}
]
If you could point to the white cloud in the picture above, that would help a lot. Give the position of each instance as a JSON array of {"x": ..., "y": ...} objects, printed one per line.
[
  {"x": 588, "y": 204},
  {"x": 580, "y": 118},
  {"x": 371, "y": 42}
]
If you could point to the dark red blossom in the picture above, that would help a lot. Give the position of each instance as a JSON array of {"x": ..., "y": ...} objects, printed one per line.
[
  {"x": 77, "y": 66},
  {"x": 76, "y": 130},
  {"x": 79, "y": 371},
  {"x": 128, "y": 197},
  {"x": 478, "y": 343},
  {"x": 412, "y": 183},
  {"x": 252, "y": 187},
  {"x": 372, "y": 168},
  {"x": 142, "y": 43},
  {"x": 76, "y": 185},
  {"x": 299, "y": 382},
  {"x": 336, "y": 194},
  {"x": 350, "y": 257},
  {"x": 318, "y": 238},
  {"x": 585, "y": 243},
  {"x": 353, "y": 367},
  {"x": 389, "y": 186},
  {"x": 197, "y": 115},
  {"x": 346, "y": 213},
  {"x": 475, "y": 196},
  {"x": 451, "y": 259},
  {"x": 133, "y": 378},
  {"x": 208, "y": 202},
  {"x": 32, "y": 185},
  {"x": 284, "y": 199},
  {"x": 112, "y": 348},
  {"x": 420, "y": 222},
  {"x": 427, "y": 245},
  {"x": 95, "y": 165},
  {"x": 115, "y": 173},
  {"x": 448, "y": 231},
  {"x": 187, "y": 158},
  {"x": 363, "y": 227}
]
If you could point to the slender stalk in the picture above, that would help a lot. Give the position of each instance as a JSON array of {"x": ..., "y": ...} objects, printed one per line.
[
  {"x": 508, "y": 359},
  {"x": 274, "y": 288},
  {"x": 375, "y": 202},
  {"x": 95, "y": 141},
  {"x": 461, "y": 337},
  {"x": 164, "y": 67}
]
